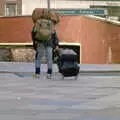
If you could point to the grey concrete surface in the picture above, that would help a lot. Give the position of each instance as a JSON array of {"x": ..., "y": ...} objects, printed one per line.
[
  {"x": 29, "y": 67},
  {"x": 23, "y": 97}
]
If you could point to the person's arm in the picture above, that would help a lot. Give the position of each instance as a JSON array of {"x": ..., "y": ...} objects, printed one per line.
[
  {"x": 56, "y": 40},
  {"x": 33, "y": 33}
]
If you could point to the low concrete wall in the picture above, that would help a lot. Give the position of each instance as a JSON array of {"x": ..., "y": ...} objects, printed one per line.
[
  {"x": 5, "y": 54},
  {"x": 22, "y": 54},
  {"x": 19, "y": 55}
]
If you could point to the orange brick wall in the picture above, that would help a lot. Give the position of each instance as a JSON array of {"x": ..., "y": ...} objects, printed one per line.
[
  {"x": 15, "y": 29},
  {"x": 93, "y": 42},
  {"x": 95, "y": 36},
  {"x": 113, "y": 39}
]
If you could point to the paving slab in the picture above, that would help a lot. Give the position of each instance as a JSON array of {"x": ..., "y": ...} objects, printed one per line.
[
  {"x": 23, "y": 97},
  {"x": 43, "y": 99},
  {"x": 29, "y": 67}
]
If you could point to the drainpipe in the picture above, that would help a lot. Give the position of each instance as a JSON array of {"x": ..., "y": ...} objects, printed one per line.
[
  {"x": 109, "y": 55},
  {"x": 48, "y": 4}
]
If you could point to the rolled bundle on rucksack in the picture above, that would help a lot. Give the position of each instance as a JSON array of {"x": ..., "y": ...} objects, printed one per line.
[
  {"x": 54, "y": 17},
  {"x": 39, "y": 13}
]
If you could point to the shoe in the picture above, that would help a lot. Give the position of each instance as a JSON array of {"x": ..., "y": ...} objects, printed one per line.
[
  {"x": 36, "y": 75},
  {"x": 49, "y": 76}
]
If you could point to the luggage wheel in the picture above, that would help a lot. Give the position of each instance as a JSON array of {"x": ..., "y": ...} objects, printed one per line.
[{"x": 76, "y": 77}]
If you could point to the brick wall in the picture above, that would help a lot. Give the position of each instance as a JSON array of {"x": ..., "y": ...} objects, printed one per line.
[
  {"x": 93, "y": 40},
  {"x": 15, "y": 29},
  {"x": 100, "y": 41}
]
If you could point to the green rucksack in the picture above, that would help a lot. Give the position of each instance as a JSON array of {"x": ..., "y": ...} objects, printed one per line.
[{"x": 43, "y": 29}]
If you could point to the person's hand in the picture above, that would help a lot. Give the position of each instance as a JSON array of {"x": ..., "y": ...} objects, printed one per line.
[
  {"x": 56, "y": 48},
  {"x": 35, "y": 43}
]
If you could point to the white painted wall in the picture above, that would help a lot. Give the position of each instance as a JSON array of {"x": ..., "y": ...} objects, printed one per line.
[{"x": 29, "y": 5}]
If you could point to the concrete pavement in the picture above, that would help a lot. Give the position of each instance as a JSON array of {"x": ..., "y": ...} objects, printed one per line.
[
  {"x": 29, "y": 67},
  {"x": 88, "y": 98}
]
